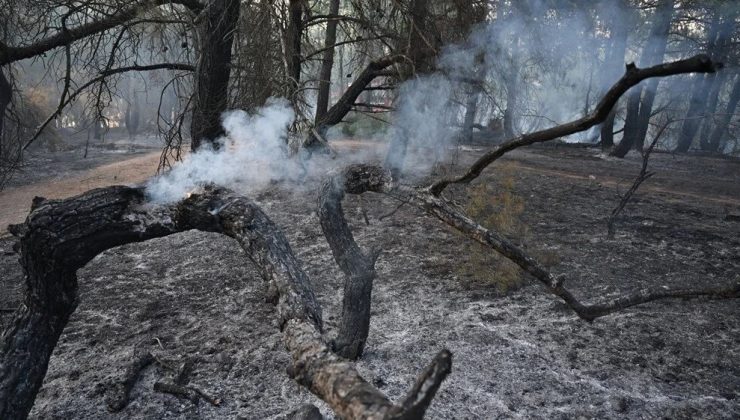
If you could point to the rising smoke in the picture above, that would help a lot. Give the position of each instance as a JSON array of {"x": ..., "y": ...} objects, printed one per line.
[
  {"x": 252, "y": 154},
  {"x": 551, "y": 68}
]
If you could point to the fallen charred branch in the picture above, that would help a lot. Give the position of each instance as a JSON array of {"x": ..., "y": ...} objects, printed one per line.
[
  {"x": 698, "y": 64},
  {"x": 120, "y": 399},
  {"x": 358, "y": 266},
  {"x": 447, "y": 213},
  {"x": 61, "y": 236}
]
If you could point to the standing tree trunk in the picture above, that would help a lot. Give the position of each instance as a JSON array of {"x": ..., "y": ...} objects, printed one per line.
[
  {"x": 293, "y": 45},
  {"x": 640, "y": 102},
  {"x": 715, "y": 140},
  {"x": 613, "y": 66},
  {"x": 210, "y": 99},
  {"x": 717, "y": 39},
  {"x": 6, "y": 94},
  {"x": 711, "y": 109},
  {"x": 420, "y": 50},
  {"x": 327, "y": 62},
  {"x": 719, "y": 51},
  {"x": 512, "y": 82}
]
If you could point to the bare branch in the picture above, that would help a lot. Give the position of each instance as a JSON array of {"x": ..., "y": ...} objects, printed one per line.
[
  {"x": 10, "y": 54},
  {"x": 106, "y": 73},
  {"x": 699, "y": 63}
]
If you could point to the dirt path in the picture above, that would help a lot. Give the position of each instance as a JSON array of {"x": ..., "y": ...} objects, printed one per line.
[
  {"x": 16, "y": 202},
  {"x": 613, "y": 182}
]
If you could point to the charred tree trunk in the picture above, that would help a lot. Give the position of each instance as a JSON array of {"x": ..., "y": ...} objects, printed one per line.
[
  {"x": 711, "y": 109},
  {"x": 630, "y": 123},
  {"x": 339, "y": 110},
  {"x": 718, "y": 37},
  {"x": 612, "y": 67},
  {"x": 358, "y": 266},
  {"x": 6, "y": 94},
  {"x": 720, "y": 51},
  {"x": 420, "y": 49},
  {"x": 52, "y": 247},
  {"x": 640, "y": 102},
  {"x": 293, "y": 44},
  {"x": 471, "y": 108},
  {"x": 511, "y": 103},
  {"x": 658, "y": 43},
  {"x": 59, "y": 237},
  {"x": 327, "y": 62},
  {"x": 715, "y": 140},
  {"x": 212, "y": 74}
]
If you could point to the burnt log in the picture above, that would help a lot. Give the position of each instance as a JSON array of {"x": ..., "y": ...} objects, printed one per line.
[{"x": 61, "y": 236}]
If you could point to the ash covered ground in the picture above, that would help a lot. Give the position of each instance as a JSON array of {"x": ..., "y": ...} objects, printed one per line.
[{"x": 194, "y": 296}]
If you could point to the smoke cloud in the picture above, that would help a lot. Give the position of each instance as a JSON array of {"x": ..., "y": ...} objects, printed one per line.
[{"x": 252, "y": 154}]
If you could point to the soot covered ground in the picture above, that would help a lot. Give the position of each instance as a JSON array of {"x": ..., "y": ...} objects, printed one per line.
[{"x": 195, "y": 296}]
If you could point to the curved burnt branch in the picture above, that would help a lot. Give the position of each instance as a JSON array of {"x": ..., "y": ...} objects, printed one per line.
[
  {"x": 358, "y": 266},
  {"x": 60, "y": 236},
  {"x": 633, "y": 75},
  {"x": 444, "y": 211}
]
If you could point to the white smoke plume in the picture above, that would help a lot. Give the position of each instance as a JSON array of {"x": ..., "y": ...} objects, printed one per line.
[{"x": 251, "y": 155}]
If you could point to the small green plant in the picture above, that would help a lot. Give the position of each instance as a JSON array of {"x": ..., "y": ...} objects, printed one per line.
[{"x": 496, "y": 207}]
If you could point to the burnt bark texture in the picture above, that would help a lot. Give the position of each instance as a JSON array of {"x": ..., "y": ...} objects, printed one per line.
[
  {"x": 293, "y": 35},
  {"x": 327, "y": 62},
  {"x": 60, "y": 236},
  {"x": 641, "y": 98},
  {"x": 213, "y": 70},
  {"x": 6, "y": 94},
  {"x": 357, "y": 265}
]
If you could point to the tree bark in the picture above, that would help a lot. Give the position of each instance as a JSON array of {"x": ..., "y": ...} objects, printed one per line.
[
  {"x": 211, "y": 94},
  {"x": 6, "y": 94},
  {"x": 420, "y": 50},
  {"x": 358, "y": 266},
  {"x": 630, "y": 123},
  {"x": 611, "y": 71},
  {"x": 293, "y": 44},
  {"x": 640, "y": 102},
  {"x": 327, "y": 62},
  {"x": 715, "y": 140},
  {"x": 717, "y": 38}
]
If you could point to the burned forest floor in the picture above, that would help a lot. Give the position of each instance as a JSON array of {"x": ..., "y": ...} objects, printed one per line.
[{"x": 518, "y": 352}]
